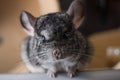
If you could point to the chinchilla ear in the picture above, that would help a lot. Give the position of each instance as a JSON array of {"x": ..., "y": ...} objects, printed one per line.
[
  {"x": 28, "y": 22},
  {"x": 76, "y": 12}
]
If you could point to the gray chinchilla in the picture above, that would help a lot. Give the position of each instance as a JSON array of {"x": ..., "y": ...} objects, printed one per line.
[{"x": 54, "y": 44}]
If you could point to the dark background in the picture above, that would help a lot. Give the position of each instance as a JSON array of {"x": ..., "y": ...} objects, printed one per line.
[{"x": 101, "y": 15}]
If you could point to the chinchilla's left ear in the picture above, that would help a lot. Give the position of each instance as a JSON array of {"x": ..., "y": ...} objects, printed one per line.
[
  {"x": 28, "y": 22},
  {"x": 76, "y": 12}
]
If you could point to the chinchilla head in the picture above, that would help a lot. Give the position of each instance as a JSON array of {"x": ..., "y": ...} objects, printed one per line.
[
  {"x": 54, "y": 25},
  {"x": 46, "y": 31}
]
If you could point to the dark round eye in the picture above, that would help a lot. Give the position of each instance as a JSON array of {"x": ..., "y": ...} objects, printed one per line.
[{"x": 43, "y": 38}]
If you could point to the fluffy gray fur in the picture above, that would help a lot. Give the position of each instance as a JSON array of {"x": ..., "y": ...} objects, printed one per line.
[{"x": 54, "y": 33}]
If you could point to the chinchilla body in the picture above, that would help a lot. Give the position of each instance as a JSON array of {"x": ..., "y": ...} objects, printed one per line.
[{"x": 54, "y": 44}]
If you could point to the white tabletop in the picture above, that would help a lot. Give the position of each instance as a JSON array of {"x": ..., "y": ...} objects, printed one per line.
[{"x": 83, "y": 75}]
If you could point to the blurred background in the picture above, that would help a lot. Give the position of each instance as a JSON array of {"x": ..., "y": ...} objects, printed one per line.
[{"x": 101, "y": 27}]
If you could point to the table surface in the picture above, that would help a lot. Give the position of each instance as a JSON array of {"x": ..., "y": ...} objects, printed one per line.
[{"x": 83, "y": 75}]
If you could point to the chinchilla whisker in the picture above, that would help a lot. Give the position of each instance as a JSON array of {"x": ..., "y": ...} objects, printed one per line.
[
  {"x": 19, "y": 62},
  {"x": 15, "y": 64},
  {"x": 94, "y": 57}
]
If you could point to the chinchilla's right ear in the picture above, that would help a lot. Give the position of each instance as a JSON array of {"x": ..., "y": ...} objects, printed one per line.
[
  {"x": 28, "y": 22},
  {"x": 77, "y": 11}
]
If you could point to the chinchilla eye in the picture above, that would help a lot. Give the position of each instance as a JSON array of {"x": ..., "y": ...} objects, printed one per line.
[{"x": 43, "y": 38}]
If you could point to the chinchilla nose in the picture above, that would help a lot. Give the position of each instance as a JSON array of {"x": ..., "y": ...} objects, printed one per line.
[{"x": 56, "y": 53}]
